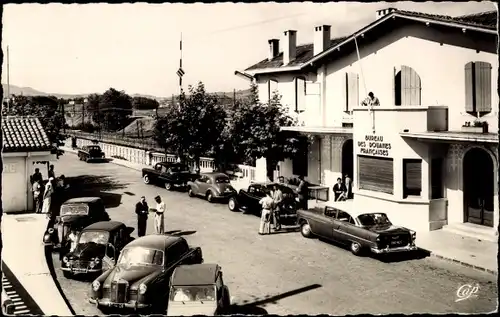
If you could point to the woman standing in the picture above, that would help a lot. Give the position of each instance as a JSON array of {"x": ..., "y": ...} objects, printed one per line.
[{"x": 47, "y": 196}]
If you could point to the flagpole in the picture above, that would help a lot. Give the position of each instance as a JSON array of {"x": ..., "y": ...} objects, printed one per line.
[
  {"x": 8, "y": 79},
  {"x": 364, "y": 83},
  {"x": 180, "y": 66}
]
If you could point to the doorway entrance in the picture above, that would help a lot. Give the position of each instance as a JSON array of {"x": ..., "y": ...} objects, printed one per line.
[
  {"x": 478, "y": 185},
  {"x": 347, "y": 158}
]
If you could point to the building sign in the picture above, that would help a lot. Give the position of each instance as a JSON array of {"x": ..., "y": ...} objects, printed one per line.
[
  {"x": 374, "y": 145},
  {"x": 10, "y": 168}
]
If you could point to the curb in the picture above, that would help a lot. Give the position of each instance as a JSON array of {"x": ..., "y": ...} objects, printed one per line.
[{"x": 462, "y": 263}]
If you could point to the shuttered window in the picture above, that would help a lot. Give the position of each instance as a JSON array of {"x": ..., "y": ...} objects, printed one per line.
[
  {"x": 376, "y": 174},
  {"x": 300, "y": 94},
  {"x": 352, "y": 91},
  {"x": 272, "y": 88},
  {"x": 412, "y": 177},
  {"x": 478, "y": 87},
  {"x": 299, "y": 164},
  {"x": 407, "y": 87}
]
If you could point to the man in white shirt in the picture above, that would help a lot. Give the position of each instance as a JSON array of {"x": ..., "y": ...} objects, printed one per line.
[
  {"x": 159, "y": 215},
  {"x": 72, "y": 237}
]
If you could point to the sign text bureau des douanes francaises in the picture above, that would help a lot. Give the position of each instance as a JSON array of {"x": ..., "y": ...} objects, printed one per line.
[{"x": 374, "y": 145}]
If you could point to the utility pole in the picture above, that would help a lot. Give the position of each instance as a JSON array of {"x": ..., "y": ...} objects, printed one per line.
[
  {"x": 234, "y": 98},
  {"x": 8, "y": 80}
]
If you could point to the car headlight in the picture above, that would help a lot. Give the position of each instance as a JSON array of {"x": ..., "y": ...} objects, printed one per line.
[
  {"x": 50, "y": 231},
  {"x": 142, "y": 289},
  {"x": 378, "y": 239},
  {"x": 65, "y": 259},
  {"x": 97, "y": 261},
  {"x": 96, "y": 285},
  {"x": 413, "y": 235},
  {"x": 46, "y": 238},
  {"x": 92, "y": 264}
]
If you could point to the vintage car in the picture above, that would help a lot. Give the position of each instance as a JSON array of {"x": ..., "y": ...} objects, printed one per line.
[
  {"x": 212, "y": 186},
  {"x": 91, "y": 153},
  {"x": 97, "y": 248},
  {"x": 168, "y": 174},
  {"x": 361, "y": 231},
  {"x": 140, "y": 279},
  {"x": 248, "y": 201},
  {"x": 75, "y": 213},
  {"x": 198, "y": 289}
]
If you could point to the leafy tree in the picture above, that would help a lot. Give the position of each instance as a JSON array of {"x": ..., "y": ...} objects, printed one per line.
[
  {"x": 46, "y": 109},
  {"x": 110, "y": 111},
  {"x": 143, "y": 103},
  {"x": 194, "y": 128}
]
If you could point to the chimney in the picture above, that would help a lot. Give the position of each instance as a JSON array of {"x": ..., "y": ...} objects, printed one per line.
[
  {"x": 384, "y": 12},
  {"x": 290, "y": 46},
  {"x": 321, "y": 38},
  {"x": 274, "y": 48}
]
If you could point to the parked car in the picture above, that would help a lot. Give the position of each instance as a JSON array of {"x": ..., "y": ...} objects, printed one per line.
[
  {"x": 361, "y": 231},
  {"x": 212, "y": 186},
  {"x": 97, "y": 248},
  {"x": 169, "y": 175},
  {"x": 91, "y": 153},
  {"x": 140, "y": 279},
  {"x": 75, "y": 213},
  {"x": 198, "y": 289},
  {"x": 248, "y": 201}
]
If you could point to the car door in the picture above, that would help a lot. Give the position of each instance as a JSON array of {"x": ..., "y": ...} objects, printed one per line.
[
  {"x": 342, "y": 228},
  {"x": 153, "y": 176},
  {"x": 175, "y": 254},
  {"x": 255, "y": 194},
  {"x": 324, "y": 224},
  {"x": 163, "y": 173},
  {"x": 201, "y": 184}
]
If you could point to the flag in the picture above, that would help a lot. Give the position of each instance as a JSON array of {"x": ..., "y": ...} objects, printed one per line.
[{"x": 180, "y": 72}]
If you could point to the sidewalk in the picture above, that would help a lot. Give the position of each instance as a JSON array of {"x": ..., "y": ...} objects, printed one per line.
[
  {"x": 24, "y": 254},
  {"x": 470, "y": 252}
]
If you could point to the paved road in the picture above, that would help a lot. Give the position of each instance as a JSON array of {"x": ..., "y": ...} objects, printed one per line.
[{"x": 281, "y": 273}]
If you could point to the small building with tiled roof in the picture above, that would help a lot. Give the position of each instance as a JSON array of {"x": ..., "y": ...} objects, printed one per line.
[
  {"x": 426, "y": 152},
  {"x": 25, "y": 146}
]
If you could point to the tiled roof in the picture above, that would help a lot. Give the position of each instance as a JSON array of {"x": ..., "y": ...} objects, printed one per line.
[
  {"x": 486, "y": 20},
  {"x": 304, "y": 53},
  {"x": 24, "y": 134}
]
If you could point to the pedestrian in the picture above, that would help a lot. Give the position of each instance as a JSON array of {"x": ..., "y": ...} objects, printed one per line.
[
  {"x": 47, "y": 197},
  {"x": 141, "y": 209},
  {"x": 37, "y": 177},
  {"x": 37, "y": 197},
  {"x": 371, "y": 101},
  {"x": 277, "y": 197},
  {"x": 267, "y": 205},
  {"x": 303, "y": 192},
  {"x": 72, "y": 238},
  {"x": 51, "y": 172},
  {"x": 159, "y": 215},
  {"x": 348, "y": 186},
  {"x": 339, "y": 190}
]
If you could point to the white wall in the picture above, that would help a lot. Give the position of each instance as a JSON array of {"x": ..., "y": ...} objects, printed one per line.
[{"x": 14, "y": 187}]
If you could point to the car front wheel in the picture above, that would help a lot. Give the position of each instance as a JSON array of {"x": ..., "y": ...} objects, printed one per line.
[
  {"x": 232, "y": 204},
  {"x": 305, "y": 230},
  {"x": 190, "y": 192},
  {"x": 356, "y": 248},
  {"x": 168, "y": 186},
  {"x": 210, "y": 197},
  {"x": 146, "y": 180}
]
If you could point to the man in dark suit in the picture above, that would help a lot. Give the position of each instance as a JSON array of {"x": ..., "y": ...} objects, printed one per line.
[
  {"x": 142, "y": 209},
  {"x": 339, "y": 190}
]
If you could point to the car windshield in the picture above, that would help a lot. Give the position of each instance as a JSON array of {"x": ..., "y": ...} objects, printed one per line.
[
  {"x": 222, "y": 180},
  {"x": 373, "y": 219},
  {"x": 192, "y": 293},
  {"x": 97, "y": 237},
  {"x": 141, "y": 256},
  {"x": 76, "y": 209}
]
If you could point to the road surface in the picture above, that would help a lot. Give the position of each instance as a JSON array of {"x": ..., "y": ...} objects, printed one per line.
[{"x": 280, "y": 273}]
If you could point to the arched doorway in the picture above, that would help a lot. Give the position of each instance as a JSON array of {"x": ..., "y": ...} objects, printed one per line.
[
  {"x": 347, "y": 158},
  {"x": 478, "y": 187}
]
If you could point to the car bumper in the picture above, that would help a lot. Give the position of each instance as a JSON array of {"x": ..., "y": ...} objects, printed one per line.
[
  {"x": 107, "y": 303},
  {"x": 225, "y": 195},
  {"x": 96, "y": 159},
  {"x": 394, "y": 250},
  {"x": 80, "y": 271}
]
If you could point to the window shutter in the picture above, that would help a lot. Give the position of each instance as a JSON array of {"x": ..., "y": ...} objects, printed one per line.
[
  {"x": 413, "y": 177},
  {"x": 352, "y": 82},
  {"x": 405, "y": 83},
  {"x": 410, "y": 87},
  {"x": 482, "y": 92},
  {"x": 300, "y": 90},
  {"x": 376, "y": 174},
  {"x": 469, "y": 97}
]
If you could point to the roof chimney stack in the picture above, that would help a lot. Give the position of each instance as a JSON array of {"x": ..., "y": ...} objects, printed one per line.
[
  {"x": 384, "y": 12},
  {"x": 274, "y": 48},
  {"x": 321, "y": 38},
  {"x": 290, "y": 46}
]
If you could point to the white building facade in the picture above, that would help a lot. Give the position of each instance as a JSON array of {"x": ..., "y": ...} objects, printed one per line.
[{"x": 427, "y": 156}]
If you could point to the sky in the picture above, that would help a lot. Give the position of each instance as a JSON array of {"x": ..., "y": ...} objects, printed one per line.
[{"x": 73, "y": 49}]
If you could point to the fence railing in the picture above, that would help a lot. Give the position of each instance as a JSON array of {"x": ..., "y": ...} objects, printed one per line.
[{"x": 117, "y": 139}]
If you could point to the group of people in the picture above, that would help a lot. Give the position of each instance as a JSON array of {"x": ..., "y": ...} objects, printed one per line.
[
  {"x": 343, "y": 189},
  {"x": 44, "y": 192},
  {"x": 142, "y": 210}
]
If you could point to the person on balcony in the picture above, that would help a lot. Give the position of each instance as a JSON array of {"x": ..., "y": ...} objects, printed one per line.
[{"x": 371, "y": 101}]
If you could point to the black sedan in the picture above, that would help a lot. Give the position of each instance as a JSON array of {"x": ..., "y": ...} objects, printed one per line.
[
  {"x": 370, "y": 231},
  {"x": 168, "y": 174}
]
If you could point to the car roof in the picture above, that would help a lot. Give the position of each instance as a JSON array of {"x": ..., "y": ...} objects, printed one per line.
[
  {"x": 104, "y": 226},
  {"x": 154, "y": 241},
  {"x": 195, "y": 274},
  {"x": 82, "y": 200},
  {"x": 214, "y": 174}
]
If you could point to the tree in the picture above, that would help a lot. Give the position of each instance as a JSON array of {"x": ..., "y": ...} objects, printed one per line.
[
  {"x": 194, "y": 128},
  {"x": 110, "y": 111},
  {"x": 256, "y": 131},
  {"x": 143, "y": 103},
  {"x": 46, "y": 109}
]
